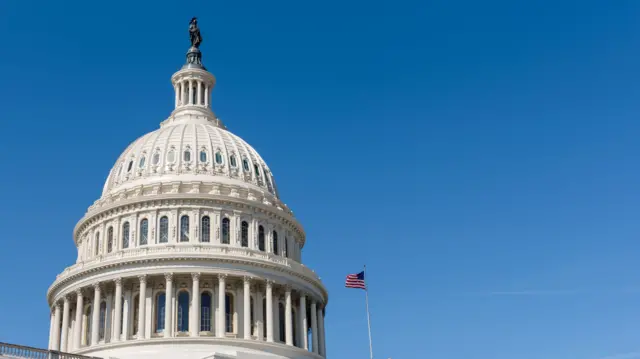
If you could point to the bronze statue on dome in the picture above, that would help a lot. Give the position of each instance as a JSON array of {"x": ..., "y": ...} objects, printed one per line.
[{"x": 194, "y": 33}]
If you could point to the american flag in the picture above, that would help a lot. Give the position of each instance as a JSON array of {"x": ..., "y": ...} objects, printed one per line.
[{"x": 356, "y": 281}]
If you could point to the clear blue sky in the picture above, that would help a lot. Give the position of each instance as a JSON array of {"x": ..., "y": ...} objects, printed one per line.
[{"x": 481, "y": 157}]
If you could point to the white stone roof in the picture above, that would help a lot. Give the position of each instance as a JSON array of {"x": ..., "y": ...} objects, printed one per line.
[{"x": 215, "y": 155}]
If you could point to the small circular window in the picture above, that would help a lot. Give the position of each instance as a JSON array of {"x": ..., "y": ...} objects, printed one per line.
[
  {"x": 218, "y": 157},
  {"x": 203, "y": 156}
]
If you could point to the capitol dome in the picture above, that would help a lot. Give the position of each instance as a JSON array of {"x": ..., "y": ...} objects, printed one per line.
[{"x": 189, "y": 251}]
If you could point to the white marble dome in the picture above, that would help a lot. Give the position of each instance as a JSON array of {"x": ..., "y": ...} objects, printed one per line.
[
  {"x": 189, "y": 251},
  {"x": 190, "y": 151}
]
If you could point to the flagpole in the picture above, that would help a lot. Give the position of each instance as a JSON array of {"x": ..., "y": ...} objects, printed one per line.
[{"x": 366, "y": 294}]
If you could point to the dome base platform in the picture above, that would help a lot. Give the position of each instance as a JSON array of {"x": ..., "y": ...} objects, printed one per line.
[{"x": 196, "y": 348}]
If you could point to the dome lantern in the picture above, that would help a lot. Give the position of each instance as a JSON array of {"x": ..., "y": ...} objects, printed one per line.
[{"x": 193, "y": 83}]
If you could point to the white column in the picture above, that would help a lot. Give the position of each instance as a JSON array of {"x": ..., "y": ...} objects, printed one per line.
[
  {"x": 190, "y": 93},
  {"x": 142, "y": 300},
  {"x": 287, "y": 317},
  {"x": 65, "y": 325},
  {"x": 168, "y": 305},
  {"x": 176, "y": 87},
  {"x": 269, "y": 311},
  {"x": 183, "y": 92},
  {"x": 126, "y": 312},
  {"x": 259, "y": 314},
  {"x": 199, "y": 99},
  {"x": 56, "y": 328},
  {"x": 247, "y": 308},
  {"x": 321, "y": 332},
  {"x": 95, "y": 315},
  {"x": 194, "y": 323},
  {"x": 107, "y": 318},
  {"x": 118, "y": 309},
  {"x": 304, "y": 342},
  {"x": 51, "y": 322},
  {"x": 77, "y": 330},
  {"x": 314, "y": 326},
  {"x": 221, "y": 306},
  {"x": 206, "y": 96}
]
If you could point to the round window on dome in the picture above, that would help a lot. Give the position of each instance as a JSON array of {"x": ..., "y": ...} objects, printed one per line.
[
  {"x": 130, "y": 166},
  {"x": 203, "y": 156},
  {"x": 232, "y": 160},
  {"x": 218, "y": 157},
  {"x": 142, "y": 161},
  {"x": 156, "y": 158},
  {"x": 171, "y": 156},
  {"x": 245, "y": 164},
  {"x": 187, "y": 156}
]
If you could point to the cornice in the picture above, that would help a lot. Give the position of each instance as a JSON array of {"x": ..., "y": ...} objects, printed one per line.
[{"x": 178, "y": 253}]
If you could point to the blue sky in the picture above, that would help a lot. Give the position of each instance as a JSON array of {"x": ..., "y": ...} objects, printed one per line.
[{"x": 479, "y": 156}]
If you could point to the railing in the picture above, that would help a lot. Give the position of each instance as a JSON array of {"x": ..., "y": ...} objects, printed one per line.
[
  {"x": 199, "y": 249},
  {"x": 20, "y": 351}
]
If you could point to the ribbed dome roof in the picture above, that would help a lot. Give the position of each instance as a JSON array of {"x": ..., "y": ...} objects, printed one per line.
[{"x": 193, "y": 150}]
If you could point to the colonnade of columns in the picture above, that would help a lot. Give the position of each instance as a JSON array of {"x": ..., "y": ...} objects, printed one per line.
[
  {"x": 192, "y": 92},
  {"x": 165, "y": 306}
]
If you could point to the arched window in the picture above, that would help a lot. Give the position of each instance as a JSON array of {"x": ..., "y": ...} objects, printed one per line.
[
  {"x": 294, "y": 326},
  {"x": 245, "y": 234},
  {"x": 171, "y": 156},
  {"x": 136, "y": 310},
  {"x": 218, "y": 157},
  {"x": 205, "y": 312},
  {"x": 255, "y": 168},
  {"x": 281, "y": 322},
  {"x": 275, "y": 242},
  {"x": 205, "y": 228},
  {"x": 251, "y": 312},
  {"x": 232, "y": 161},
  {"x": 160, "y": 311},
  {"x": 264, "y": 316},
  {"x": 203, "y": 156},
  {"x": 121, "y": 318},
  {"x": 228, "y": 310},
  {"x": 97, "y": 250},
  {"x": 109, "y": 239},
  {"x": 187, "y": 156},
  {"x": 183, "y": 311},
  {"x": 286, "y": 247},
  {"x": 125, "y": 235},
  {"x": 261, "y": 238},
  {"x": 144, "y": 232},
  {"x": 88, "y": 318},
  {"x": 184, "y": 228},
  {"x": 245, "y": 164},
  {"x": 164, "y": 229},
  {"x": 156, "y": 158},
  {"x": 225, "y": 230},
  {"x": 103, "y": 320},
  {"x": 142, "y": 161},
  {"x": 130, "y": 166}
]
